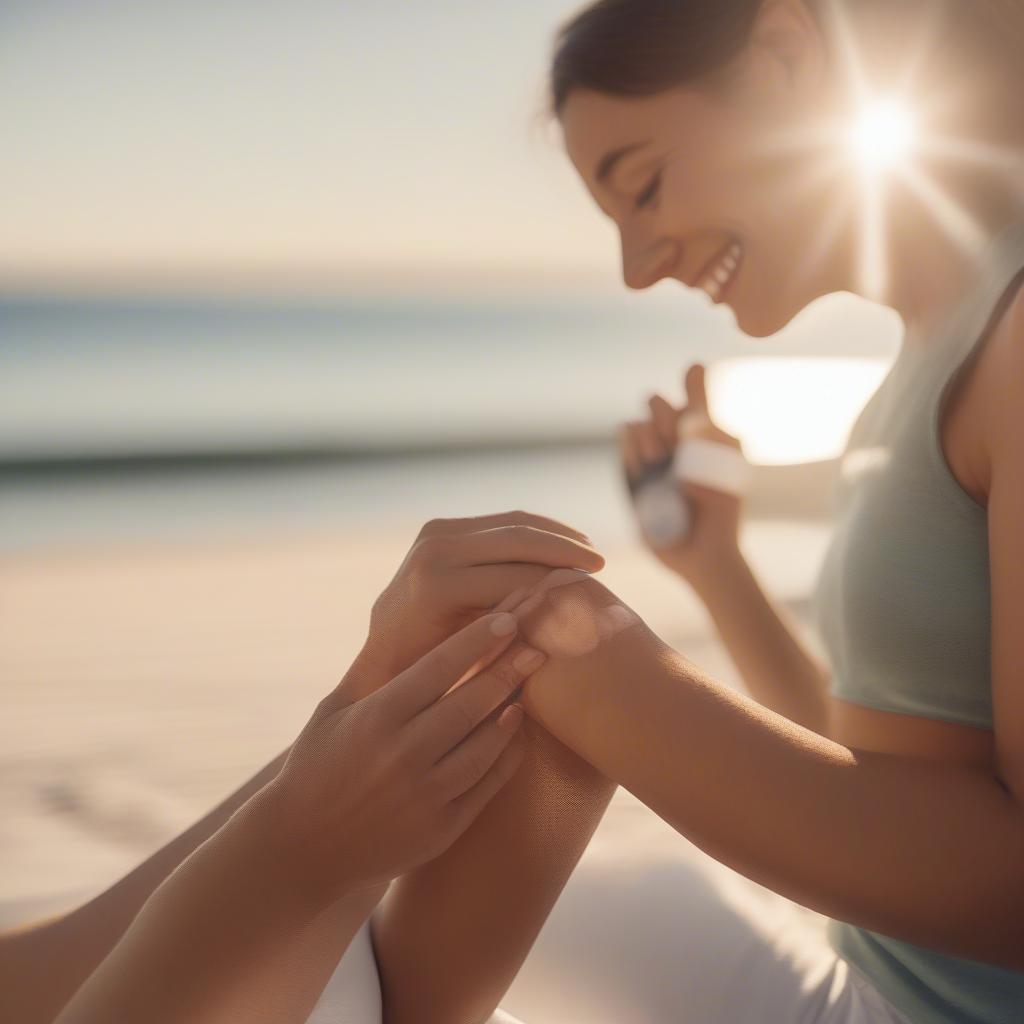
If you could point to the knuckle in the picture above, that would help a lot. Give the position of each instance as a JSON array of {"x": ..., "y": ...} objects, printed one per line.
[
  {"x": 428, "y": 551},
  {"x": 431, "y": 526}
]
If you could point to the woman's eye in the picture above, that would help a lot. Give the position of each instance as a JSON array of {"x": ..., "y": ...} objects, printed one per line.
[{"x": 650, "y": 192}]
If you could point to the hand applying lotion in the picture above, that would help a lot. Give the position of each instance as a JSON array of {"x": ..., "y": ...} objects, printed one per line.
[{"x": 687, "y": 478}]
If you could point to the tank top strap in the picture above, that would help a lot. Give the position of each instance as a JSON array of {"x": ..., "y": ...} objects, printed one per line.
[
  {"x": 924, "y": 372},
  {"x": 1001, "y": 264},
  {"x": 995, "y": 269}
]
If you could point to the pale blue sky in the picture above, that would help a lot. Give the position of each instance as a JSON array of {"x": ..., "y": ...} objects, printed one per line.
[{"x": 371, "y": 139}]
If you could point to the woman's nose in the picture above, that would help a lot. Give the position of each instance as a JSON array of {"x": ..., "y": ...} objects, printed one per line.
[{"x": 645, "y": 265}]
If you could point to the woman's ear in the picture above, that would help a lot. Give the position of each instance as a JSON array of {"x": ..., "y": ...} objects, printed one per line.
[{"x": 788, "y": 42}]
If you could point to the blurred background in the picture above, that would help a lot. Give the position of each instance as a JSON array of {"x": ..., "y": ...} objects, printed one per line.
[{"x": 278, "y": 283}]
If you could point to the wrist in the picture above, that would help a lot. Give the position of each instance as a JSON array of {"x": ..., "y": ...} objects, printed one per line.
[
  {"x": 272, "y": 859},
  {"x": 719, "y": 576}
]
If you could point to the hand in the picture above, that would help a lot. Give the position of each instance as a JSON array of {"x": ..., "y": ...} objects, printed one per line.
[
  {"x": 455, "y": 571},
  {"x": 715, "y": 516},
  {"x": 589, "y": 636},
  {"x": 372, "y": 789}
]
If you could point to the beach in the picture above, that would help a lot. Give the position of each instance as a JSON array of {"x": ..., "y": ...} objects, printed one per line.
[
  {"x": 196, "y": 518},
  {"x": 144, "y": 678}
]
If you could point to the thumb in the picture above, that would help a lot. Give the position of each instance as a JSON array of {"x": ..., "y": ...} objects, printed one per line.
[{"x": 696, "y": 392}]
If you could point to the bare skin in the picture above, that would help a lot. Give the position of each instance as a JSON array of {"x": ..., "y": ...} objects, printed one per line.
[
  {"x": 703, "y": 173},
  {"x": 455, "y": 572},
  {"x": 756, "y": 791}
]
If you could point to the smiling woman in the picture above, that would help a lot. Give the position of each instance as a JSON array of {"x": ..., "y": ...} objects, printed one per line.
[
  {"x": 718, "y": 139},
  {"x": 768, "y": 153}
]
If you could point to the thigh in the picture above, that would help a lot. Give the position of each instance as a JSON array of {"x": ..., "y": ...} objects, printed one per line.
[
  {"x": 674, "y": 937},
  {"x": 352, "y": 996}
]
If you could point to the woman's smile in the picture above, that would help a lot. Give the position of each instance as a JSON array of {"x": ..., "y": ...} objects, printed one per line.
[{"x": 719, "y": 273}]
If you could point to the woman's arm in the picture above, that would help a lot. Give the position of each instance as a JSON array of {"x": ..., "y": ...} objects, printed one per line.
[
  {"x": 250, "y": 927},
  {"x": 778, "y": 669},
  {"x": 228, "y": 936},
  {"x": 42, "y": 965},
  {"x": 921, "y": 851},
  {"x": 451, "y": 935}
]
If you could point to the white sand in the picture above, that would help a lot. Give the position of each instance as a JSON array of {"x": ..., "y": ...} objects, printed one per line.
[{"x": 139, "y": 684}]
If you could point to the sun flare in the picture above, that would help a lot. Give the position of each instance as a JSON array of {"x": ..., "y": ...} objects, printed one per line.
[
  {"x": 883, "y": 134},
  {"x": 890, "y": 143}
]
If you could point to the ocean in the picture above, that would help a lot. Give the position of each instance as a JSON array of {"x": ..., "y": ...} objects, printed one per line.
[{"x": 151, "y": 417}]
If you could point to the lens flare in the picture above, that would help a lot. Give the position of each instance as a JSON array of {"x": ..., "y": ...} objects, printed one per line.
[{"x": 883, "y": 134}]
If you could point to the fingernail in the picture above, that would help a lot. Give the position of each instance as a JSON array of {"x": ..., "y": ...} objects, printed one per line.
[
  {"x": 512, "y": 717},
  {"x": 527, "y": 660},
  {"x": 504, "y": 624}
]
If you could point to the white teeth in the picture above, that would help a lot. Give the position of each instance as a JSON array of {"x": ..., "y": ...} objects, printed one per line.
[{"x": 720, "y": 275}]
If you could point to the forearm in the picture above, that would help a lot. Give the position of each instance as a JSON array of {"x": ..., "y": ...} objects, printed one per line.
[
  {"x": 777, "y": 668},
  {"x": 927, "y": 853},
  {"x": 41, "y": 966},
  {"x": 451, "y": 936},
  {"x": 228, "y": 938}
]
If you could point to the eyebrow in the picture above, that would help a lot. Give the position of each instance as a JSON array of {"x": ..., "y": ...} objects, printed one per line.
[{"x": 609, "y": 161}]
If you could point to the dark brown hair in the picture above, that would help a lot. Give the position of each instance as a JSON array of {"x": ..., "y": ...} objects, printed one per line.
[{"x": 642, "y": 47}]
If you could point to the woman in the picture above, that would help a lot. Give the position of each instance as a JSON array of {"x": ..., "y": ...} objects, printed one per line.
[
  {"x": 894, "y": 804},
  {"x": 892, "y": 800}
]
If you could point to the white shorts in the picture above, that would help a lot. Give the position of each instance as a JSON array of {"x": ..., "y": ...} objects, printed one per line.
[{"x": 657, "y": 933}]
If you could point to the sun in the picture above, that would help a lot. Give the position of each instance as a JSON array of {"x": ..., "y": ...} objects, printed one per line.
[{"x": 883, "y": 133}]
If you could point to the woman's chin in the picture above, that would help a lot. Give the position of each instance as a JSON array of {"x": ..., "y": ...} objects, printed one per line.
[{"x": 762, "y": 323}]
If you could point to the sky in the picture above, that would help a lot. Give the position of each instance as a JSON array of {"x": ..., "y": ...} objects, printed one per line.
[{"x": 371, "y": 140}]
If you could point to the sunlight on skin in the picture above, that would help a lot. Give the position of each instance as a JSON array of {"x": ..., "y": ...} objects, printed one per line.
[
  {"x": 953, "y": 219},
  {"x": 874, "y": 268},
  {"x": 562, "y": 618},
  {"x": 591, "y": 639}
]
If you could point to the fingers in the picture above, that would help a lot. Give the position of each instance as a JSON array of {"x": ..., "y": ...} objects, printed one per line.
[
  {"x": 527, "y": 544},
  {"x": 470, "y": 803},
  {"x": 696, "y": 390},
  {"x": 652, "y": 448},
  {"x": 629, "y": 448},
  {"x": 665, "y": 418},
  {"x": 447, "y": 723},
  {"x": 489, "y": 586},
  {"x": 645, "y": 454},
  {"x": 441, "y": 668},
  {"x": 463, "y": 767},
  {"x": 473, "y": 524}
]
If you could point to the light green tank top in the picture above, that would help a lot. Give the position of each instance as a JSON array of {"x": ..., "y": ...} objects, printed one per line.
[{"x": 902, "y": 606}]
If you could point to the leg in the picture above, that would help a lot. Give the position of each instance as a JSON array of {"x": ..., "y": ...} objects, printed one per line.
[
  {"x": 352, "y": 996},
  {"x": 651, "y": 930}
]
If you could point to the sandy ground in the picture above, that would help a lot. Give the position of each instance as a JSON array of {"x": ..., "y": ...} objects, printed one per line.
[{"x": 141, "y": 683}]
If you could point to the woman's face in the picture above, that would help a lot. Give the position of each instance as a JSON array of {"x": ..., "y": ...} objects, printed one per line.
[{"x": 702, "y": 193}]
